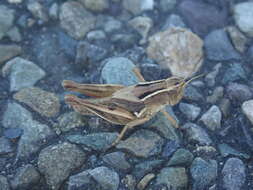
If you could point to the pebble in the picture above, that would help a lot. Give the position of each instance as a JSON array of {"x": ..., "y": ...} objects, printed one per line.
[
  {"x": 96, "y": 141},
  {"x": 170, "y": 147},
  {"x": 68, "y": 121},
  {"x": 181, "y": 157},
  {"x": 210, "y": 78},
  {"x": 96, "y": 35},
  {"x": 6, "y": 20},
  {"x": 107, "y": 178},
  {"x": 109, "y": 24},
  {"x": 190, "y": 111},
  {"x": 15, "y": 1},
  {"x": 22, "y": 73},
  {"x": 45, "y": 103},
  {"x": 238, "y": 92},
  {"x": 138, "y": 6},
  {"x": 143, "y": 143},
  {"x": 183, "y": 57},
  {"x": 119, "y": 70},
  {"x": 14, "y": 34},
  {"x": 129, "y": 182},
  {"x": 54, "y": 11},
  {"x": 196, "y": 134},
  {"x": 227, "y": 150},
  {"x": 26, "y": 177},
  {"x": 225, "y": 107},
  {"x": 9, "y": 51},
  {"x": 145, "y": 181},
  {"x": 167, "y": 5},
  {"x": 124, "y": 41},
  {"x": 173, "y": 21},
  {"x": 13, "y": 133},
  {"x": 212, "y": 118},
  {"x": 173, "y": 177},
  {"x": 238, "y": 39},
  {"x": 142, "y": 25},
  {"x": 117, "y": 160},
  {"x": 234, "y": 72},
  {"x": 203, "y": 17},
  {"x": 95, "y": 5},
  {"x": 38, "y": 11},
  {"x": 203, "y": 173},
  {"x": 216, "y": 96},
  {"x": 243, "y": 12},
  {"x": 234, "y": 175},
  {"x": 218, "y": 46},
  {"x": 63, "y": 157},
  {"x": 192, "y": 94},
  {"x": 81, "y": 180},
  {"x": 4, "y": 183},
  {"x": 247, "y": 109},
  {"x": 143, "y": 168},
  {"x": 34, "y": 134},
  {"x": 75, "y": 19}
]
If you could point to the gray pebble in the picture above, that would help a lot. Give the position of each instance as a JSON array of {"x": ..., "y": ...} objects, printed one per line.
[
  {"x": 189, "y": 110},
  {"x": 212, "y": 118}
]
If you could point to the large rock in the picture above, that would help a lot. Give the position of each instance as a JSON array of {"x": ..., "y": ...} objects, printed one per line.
[
  {"x": 56, "y": 162},
  {"x": 203, "y": 17},
  {"x": 45, "y": 103},
  {"x": 243, "y": 14},
  {"x": 177, "y": 49},
  {"x": 75, "y": 19},
  {"x": 22, "y": 73}
]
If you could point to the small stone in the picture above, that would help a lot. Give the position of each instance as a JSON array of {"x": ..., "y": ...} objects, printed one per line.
[
  {"x": 26, "y": 177},
  {"x": 142, "y": 25},
  {"x": 9, "y": 51},
  {"x": 225, "y": 107},
  {"x": 218, "y": 46},
  {"x": 178, "y": 49},
  {"x": 167, "y": 5},
  {"x": 196, "y": 134},
  {"x": 6, "y": 20},
  {"x": 203, "y": 17},
  {"x": 97, "y": 141},
  {"x": 192, "y": 94},
  {"x": 181, "y": 157},
  {"x": 129, "y": 182},
  {"x": 5, "y": 146},
  {"x": 189, "y": 110},
  {"x": 124, "y": 41},
  {"x": 238, "y": 92},
  {"x": 234, "y": 175},
  {"x": 173, "y": 21},
  {"x": 117, "y": 160},
  {"x": 247, "y": 108},
  {"x": 243, "y": 12},
  {"x": 109, "y": 24},
  {"x": 145, "y": 181},
  {"x": 95, "y": 5},
  {"x": 4, "y": 183},
  {"x": 45, "y": 103},
  {"x": 54, "y": 11},
  {"x": 238, "y": 39},
  {"x": 175, "y": 178},
  {"x": 96, "y": 35},
  {"x": 210, "y": 77},
  {"x": 212, "y": 118},
  {"x": 22, "y": 73},
  {"x": 137, "y": 6},
  {"x": 142, "y": 143},
  {"x": 233, "y": 73},
  {"x": 143, "y": 168},
  {"x": 80, "y": 181},
  {"x": 203, "y": 172},
  {"x": 169, "y": 148},
  {"x": 75, "y": 19},
  {"x": 15, "y": 1},
  {"x": 69, "y": 121},
  {"x": 216, "y": 96},
  {"x": 119, "y": 70},
  {"x": 107, "y": 178},
  {"x": 227, "y": 150},
  {"x": 38, "y": 10},
  {"x": 14, "y": 34},
  {"x": 206, "y": 152},
  {"x": 56, "y": 162}
]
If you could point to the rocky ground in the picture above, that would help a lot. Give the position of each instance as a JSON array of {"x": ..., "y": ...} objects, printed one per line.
[{"x": 44, "y": 144}]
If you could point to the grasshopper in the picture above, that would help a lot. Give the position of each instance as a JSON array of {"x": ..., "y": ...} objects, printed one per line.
[{"x": 127, "y": 105}]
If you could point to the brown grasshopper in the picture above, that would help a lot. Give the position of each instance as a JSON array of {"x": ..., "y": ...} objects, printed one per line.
[{"x": 127, "y": 105}]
